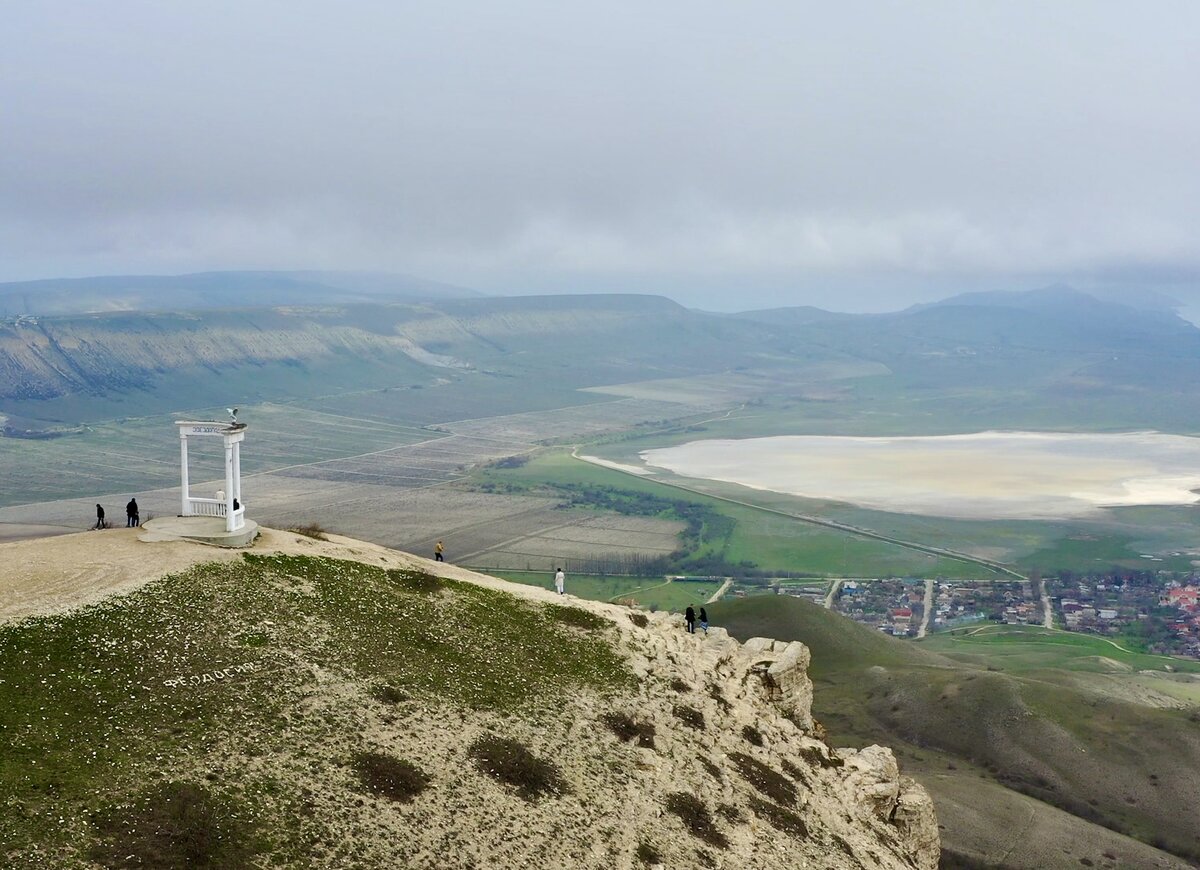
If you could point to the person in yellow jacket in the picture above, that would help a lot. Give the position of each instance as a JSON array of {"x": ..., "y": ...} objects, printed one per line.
[{"x": 437, "y": 552}]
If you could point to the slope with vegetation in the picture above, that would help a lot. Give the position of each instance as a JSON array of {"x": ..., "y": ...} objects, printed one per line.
[{"x": 288, "y": 708}]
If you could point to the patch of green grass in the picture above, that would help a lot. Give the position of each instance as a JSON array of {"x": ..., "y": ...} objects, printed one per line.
[
  {"x": 513, "y": 764},
  {"x": 650, "y": 592},
  {"x": 1029, "y": 647},
  {"x": 412, "y": 580},
  {"x": 447, "y": 647},
  {"x": 97, "y": 702},
  {"x": 578, "y": 617}
]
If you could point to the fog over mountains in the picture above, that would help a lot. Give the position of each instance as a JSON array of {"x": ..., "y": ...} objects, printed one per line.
[{"x": 215, "y": 290}]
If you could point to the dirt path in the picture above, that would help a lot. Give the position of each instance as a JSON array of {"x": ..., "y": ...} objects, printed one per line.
[
  {"x": 716, "y": 596},
  {"x": 924, "y": 629},
  {"x": 833, "y": 589},
  {"x": 52, "y": 575}
]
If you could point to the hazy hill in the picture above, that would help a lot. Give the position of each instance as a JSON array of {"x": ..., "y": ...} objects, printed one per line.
[
  {"x": 204, "y": 290},
  {"x": 48, "y": 365},
  {"x": 987, "y": 740},
  {"x": 1049, "y": 359},
  {"x": 335, "y": 704}
]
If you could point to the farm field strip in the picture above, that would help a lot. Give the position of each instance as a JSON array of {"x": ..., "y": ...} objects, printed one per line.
[{"x": 577, "y": 421}]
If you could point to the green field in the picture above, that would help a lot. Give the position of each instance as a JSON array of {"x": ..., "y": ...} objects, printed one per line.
[
  {"x": 651, "y": 593},
  {"x": 769, "y": 541},
  {"x": 1028, "y": 648}
]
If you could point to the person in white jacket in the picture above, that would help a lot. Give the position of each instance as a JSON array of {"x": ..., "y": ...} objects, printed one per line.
[{"x": 559, "y": 579}]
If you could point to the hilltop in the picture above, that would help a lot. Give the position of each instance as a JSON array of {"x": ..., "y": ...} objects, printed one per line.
[
  {"x": 335, "y": 703},
  {"x": 1033, "y": 759}
]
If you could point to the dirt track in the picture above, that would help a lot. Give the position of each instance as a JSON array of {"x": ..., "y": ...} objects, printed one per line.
[{"x": 52, "y": 575}]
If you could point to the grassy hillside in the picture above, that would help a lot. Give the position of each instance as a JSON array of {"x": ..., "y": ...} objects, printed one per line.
[
  {"x": 1048, "y": 723},
  {"x": 104, "y": 709},
  {"x": 284, "y": 710}
]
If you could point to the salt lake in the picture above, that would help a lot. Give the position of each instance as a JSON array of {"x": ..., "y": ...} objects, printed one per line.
[{"x": 1034, "y": 475}]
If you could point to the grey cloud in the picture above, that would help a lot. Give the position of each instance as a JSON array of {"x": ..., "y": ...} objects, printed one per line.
[{"x": 730, "y": 154}]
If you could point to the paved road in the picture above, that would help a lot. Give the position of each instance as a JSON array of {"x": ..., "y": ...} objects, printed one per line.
[
  {"x": 921, "y": 632},
  {"x": 716, "y": 596},
  {"x": 1047, "y": 613}
]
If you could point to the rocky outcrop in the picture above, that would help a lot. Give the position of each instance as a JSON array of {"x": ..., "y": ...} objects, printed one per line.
[{"x": 756, "y": 700}]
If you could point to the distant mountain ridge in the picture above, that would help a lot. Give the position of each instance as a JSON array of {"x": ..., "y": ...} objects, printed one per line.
[
  {"x": 208, "y": 290},
  {"x": 993, "y": 359}
]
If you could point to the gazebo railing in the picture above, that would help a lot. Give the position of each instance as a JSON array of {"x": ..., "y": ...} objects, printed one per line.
[{"x": 206, "y": 507}]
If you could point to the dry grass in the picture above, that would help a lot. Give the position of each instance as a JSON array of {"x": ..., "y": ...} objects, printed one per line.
[
  {"x": 178, "y": 824},
  {"x": 774, "y": 785},
  {"x": 793, "y": 771},
  {"x": 689, "y": 716},
  {"x": 514, "y": 765},
  {"x": 779, "y": 818},
  {"x": 389, "y": 694},
  {"x": 639, "y": 619},
  {"x": 627, "y": 728},
  {"x": 648, "y": 854},
  {"x": 310, "y": 530},
  {"x": 391, "y": 777},
  {"x": 696, "y": 818},
  {"x": 752, "y": 735}
]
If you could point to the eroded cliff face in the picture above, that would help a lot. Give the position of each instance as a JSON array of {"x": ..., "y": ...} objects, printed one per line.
[{"x": 858, "y": 810}]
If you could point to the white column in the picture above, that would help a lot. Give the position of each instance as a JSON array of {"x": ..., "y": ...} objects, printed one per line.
[
  {"x": 229, "y": 518},
  {"x": 237, "y": 472},
  {"x": 184, "y": 507}
]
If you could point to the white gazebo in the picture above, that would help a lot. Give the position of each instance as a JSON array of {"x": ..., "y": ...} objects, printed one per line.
[{"x": 232, "y": 507}]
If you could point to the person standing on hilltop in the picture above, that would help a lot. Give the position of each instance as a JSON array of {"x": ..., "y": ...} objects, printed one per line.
[
  {"x": 438, "y": 550},
  {"x": 560, "y": 580},
  {"x": 690, "y": 616},
  {"x": 131, "y": 514},
  {"x": 99, "y": 518},
  {"x": 704, "y": 620}
]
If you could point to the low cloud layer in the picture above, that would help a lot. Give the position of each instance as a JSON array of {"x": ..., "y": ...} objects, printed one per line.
[{"x": 730, "y": 155}]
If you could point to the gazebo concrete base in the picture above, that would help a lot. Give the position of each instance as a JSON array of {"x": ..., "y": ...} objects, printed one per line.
[{"x": 202, "y": 530}]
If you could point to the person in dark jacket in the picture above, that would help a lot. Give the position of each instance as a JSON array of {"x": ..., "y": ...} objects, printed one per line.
[
  {"x": 704, "y": 620},
  {"x": 132, "y": 518},
  {"x": 690, "y": 616},
  {"x": 99, "y": 518}
]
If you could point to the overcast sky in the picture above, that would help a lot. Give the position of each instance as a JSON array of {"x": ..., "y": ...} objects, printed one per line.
[{"x": 852, "y": 155}]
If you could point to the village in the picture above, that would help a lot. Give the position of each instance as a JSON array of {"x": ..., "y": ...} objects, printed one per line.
[{"x": 1159, "y": 611}]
